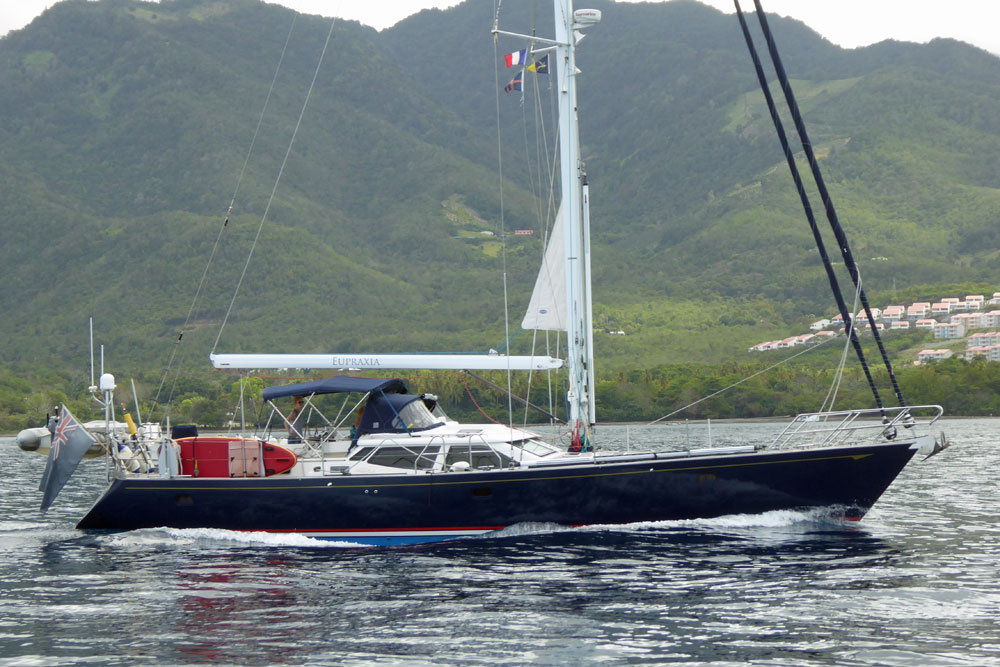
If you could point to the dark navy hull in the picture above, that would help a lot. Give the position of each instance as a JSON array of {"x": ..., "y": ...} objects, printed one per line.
[{"x": 452, "y": 504}]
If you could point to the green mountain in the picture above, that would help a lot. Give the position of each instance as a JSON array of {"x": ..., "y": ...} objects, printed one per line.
[{"x": 127, "y": 126}]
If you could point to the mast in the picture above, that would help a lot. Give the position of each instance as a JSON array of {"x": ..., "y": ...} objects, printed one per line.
[{"x": 579, "y": 333}]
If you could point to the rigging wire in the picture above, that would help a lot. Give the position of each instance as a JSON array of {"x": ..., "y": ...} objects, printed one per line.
[
  {"x": 531, "y": 181},
  {"x": 277, "y": 180},
  {"x": 503, "y": 226},
  {"x": 225, "y": 223},
  {"x": 546, "y": 218},
  {"x": 831, "y": 395},
  {"x": 739, "y": 382}
]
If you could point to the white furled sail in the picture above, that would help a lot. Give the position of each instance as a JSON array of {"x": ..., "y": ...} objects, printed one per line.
[{"x": 547, "y": 308}]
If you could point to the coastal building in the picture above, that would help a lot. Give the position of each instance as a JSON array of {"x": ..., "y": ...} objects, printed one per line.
[
  {"x": 955, "y": 319},
  {"x": 893, "y": 313},
  {"x": 984, "y": 339},
  {"x": 949, "y": 330},
  {"x": 941, "y": 308},
  {"x": 971, "y": 320},
  {"x": 988, "y": 352},
  {"x": 933, "y": 355},
  {"x": 791, "y": 341}
]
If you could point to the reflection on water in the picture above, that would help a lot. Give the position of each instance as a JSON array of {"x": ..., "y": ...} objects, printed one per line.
[
  {"x": 224, "y": 603},
  {"x": 916, "y": 583}
]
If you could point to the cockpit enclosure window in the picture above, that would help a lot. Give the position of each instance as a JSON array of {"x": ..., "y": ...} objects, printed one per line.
[
  {"x": 407, "y": 458},
  {"x": 439, "y": 414},
  {"x": 414, "y": 417},
  {"x": 477, "y": 456},
  {"x": 536, "y": 447}
]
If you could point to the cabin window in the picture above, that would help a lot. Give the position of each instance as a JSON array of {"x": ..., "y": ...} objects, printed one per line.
[
  {"x": 362, "y": 453},
  {"x": 404, "y": 457},
  {"x": 477, "y": 456}
]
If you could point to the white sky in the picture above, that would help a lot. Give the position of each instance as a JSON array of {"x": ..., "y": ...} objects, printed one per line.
[{"x": 848, "y": 23}]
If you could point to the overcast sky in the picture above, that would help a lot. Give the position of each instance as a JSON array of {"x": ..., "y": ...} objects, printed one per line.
[{"x": 848, "y": 23}]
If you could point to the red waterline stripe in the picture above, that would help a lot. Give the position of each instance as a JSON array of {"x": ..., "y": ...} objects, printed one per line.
[{"x": 364, "y": 530}]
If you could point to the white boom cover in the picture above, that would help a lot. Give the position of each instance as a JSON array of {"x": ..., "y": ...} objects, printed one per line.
[{"x": 498, "y": 362}]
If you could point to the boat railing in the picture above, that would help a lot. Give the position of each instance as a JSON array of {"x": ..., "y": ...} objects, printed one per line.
[
  {"x": 482, "y": 444},
  {"x": 844, "y": 427},
  {"x": 420, "y": 454},
  {"x": 132, "y": 456}
]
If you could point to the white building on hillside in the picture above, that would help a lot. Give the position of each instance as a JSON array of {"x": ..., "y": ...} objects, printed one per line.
[
  {"x": 971, "y": 320},
  {"x": 984, "y": 339},
  {"x": 933, "y": 355},
  {"x": 892, "y": 313},
  {"x": 949, "y": 330}
]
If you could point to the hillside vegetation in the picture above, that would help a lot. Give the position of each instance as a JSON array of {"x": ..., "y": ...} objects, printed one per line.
[{"x": 127, "y": 125}]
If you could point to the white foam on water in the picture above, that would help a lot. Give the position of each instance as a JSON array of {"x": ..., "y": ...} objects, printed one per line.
[
  {"x": 776, "y": 519},
  {"x": 772, "y": 519},
  {"x": 526, "y": 528},
  {"x": 14, "y": 526},
  {"x": 216, "y": 536}
]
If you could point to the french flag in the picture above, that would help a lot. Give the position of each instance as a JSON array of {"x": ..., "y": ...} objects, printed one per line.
[{"x": 516, "y": 58}]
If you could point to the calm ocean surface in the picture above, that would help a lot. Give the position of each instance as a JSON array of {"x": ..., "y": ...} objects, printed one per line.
[{"x": 916, "y": 583}]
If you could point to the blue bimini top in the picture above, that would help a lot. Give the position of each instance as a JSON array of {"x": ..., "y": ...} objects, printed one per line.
[
  {"x": 389, "y": 409},
  {"x": 340, "y": 384}
]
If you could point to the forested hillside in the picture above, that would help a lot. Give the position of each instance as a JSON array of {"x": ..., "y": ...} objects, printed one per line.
[{"x": 127, "y": 125}]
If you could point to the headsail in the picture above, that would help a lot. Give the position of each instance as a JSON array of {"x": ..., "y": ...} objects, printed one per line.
[{"x": 547, "y": 308}]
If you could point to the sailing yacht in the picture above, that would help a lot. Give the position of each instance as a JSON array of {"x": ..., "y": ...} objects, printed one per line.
[{"x": 391, "y": 468}]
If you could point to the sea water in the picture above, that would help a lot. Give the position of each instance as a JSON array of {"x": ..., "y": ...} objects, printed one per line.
[{"x": 916, "y": 583}]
